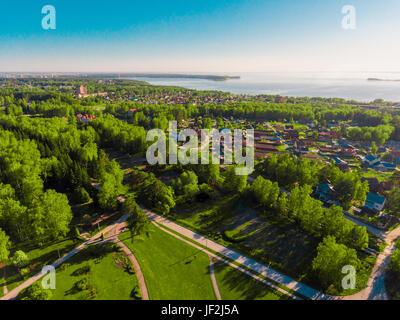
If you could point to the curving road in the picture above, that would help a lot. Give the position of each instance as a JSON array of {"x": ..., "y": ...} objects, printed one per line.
[{"x": 376, "y": 289}]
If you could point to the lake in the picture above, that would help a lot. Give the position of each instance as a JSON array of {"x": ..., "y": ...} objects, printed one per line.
[{"x": 316, "y": 84}]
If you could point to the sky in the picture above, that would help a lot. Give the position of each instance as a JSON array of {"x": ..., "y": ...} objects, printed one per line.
[{"x": 209, "y": 36}]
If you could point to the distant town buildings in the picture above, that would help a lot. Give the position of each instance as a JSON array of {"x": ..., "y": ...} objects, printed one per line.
[{"x": 81, "y": 90}]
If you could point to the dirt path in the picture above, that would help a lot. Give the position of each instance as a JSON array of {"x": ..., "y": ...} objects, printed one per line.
[
  {"x": 213, "y": 279},
  {"x": 138, "y": 271},
  {"x": 4, "y": 267},
  {"x": 115, "y": 232},
  {"x": 216, "y": 257}
]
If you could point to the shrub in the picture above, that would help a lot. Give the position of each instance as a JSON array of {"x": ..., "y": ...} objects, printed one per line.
[
  {"x": 81, "y": 271},
  {"x": 35, "y": 292},
  {"x": 80, "y": 195},
  {"x": 24, "y": 271},
  {"x": 82, "y": 284},
  {"x": 20, "y": 259}
]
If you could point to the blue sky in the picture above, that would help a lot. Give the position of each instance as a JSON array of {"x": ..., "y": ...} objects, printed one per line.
[{"x": 200, "y": 36}]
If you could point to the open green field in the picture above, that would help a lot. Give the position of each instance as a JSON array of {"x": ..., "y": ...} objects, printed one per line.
[
  {"x": 172, "y": 269},
  {"x": 371, "y": 173},
  {"x": 235, "y": 285},
  {"x": 296, "y": 126},
  {"x": 39, "y": 257},
  {"x": 98, "y": 265}
]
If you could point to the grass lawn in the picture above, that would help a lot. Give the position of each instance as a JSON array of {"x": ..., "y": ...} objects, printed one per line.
[
  {"x": 282, "y": 147},
  {"x": 39, "y": 257},
  {"x": 203, "y": 216},
  {"x": 371, "y": 173},
  {"x": 235, "y": 285},
  {"x": 173, "y": 270},
  {"x": 110, "y": 281}
]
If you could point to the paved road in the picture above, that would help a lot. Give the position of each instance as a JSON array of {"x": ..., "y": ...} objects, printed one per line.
[
  {"x": 376, "y": 289},
  {"x": 379, "y": 233},
  {"x": 239, "y": 258},
  {"x": 93, "y": 240}
]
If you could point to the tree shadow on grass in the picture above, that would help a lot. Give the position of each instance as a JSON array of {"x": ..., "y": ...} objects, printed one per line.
[
  {"x": 52, "y": 256},
  {"x": 187, "y": 260},
  {"x": 248, "y": 288},
  {"x": 12, "y": 276},
  {"x": 93, "y": 252},
  {"x": 36, "y": 264}
]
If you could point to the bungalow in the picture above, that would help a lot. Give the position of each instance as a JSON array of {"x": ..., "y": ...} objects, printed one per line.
[
  {"x": 348, "y": 153},
  {"x": 85, "y": 117},
  {"x": 264, "y": 147},
  {"x": 382, "y": 149},
  {"x": 375, "y": 202},
  {"x": 371, "y": 160},
  {"x": 280, "y": 99},
  {"x": 300, "y": 147},
  {"x": 325, "y": 192},
  {"x": 386, "y": 166},
  {"x": 328, "y": 135},
  {"x": 395, "y": 154},
  {"x": 291, "y": 134},
  {"x": 339, "y": 161}
]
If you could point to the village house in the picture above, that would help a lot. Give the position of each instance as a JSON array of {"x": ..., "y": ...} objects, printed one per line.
[
  {"x": 371, "y": 160},
  {"x": 376, "y": 163},
  {"x": 280, "y": 99},
  {"x": 85, "y": 117},
  {"x": 131, "y": 111},
  {"x": 347, "y": 153},
  {"x": 291, "y": 134},
  {"x": 324, "y": 192},
  {"x": 375, "y": 202},
  {"x": 328, "y": 135}
]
